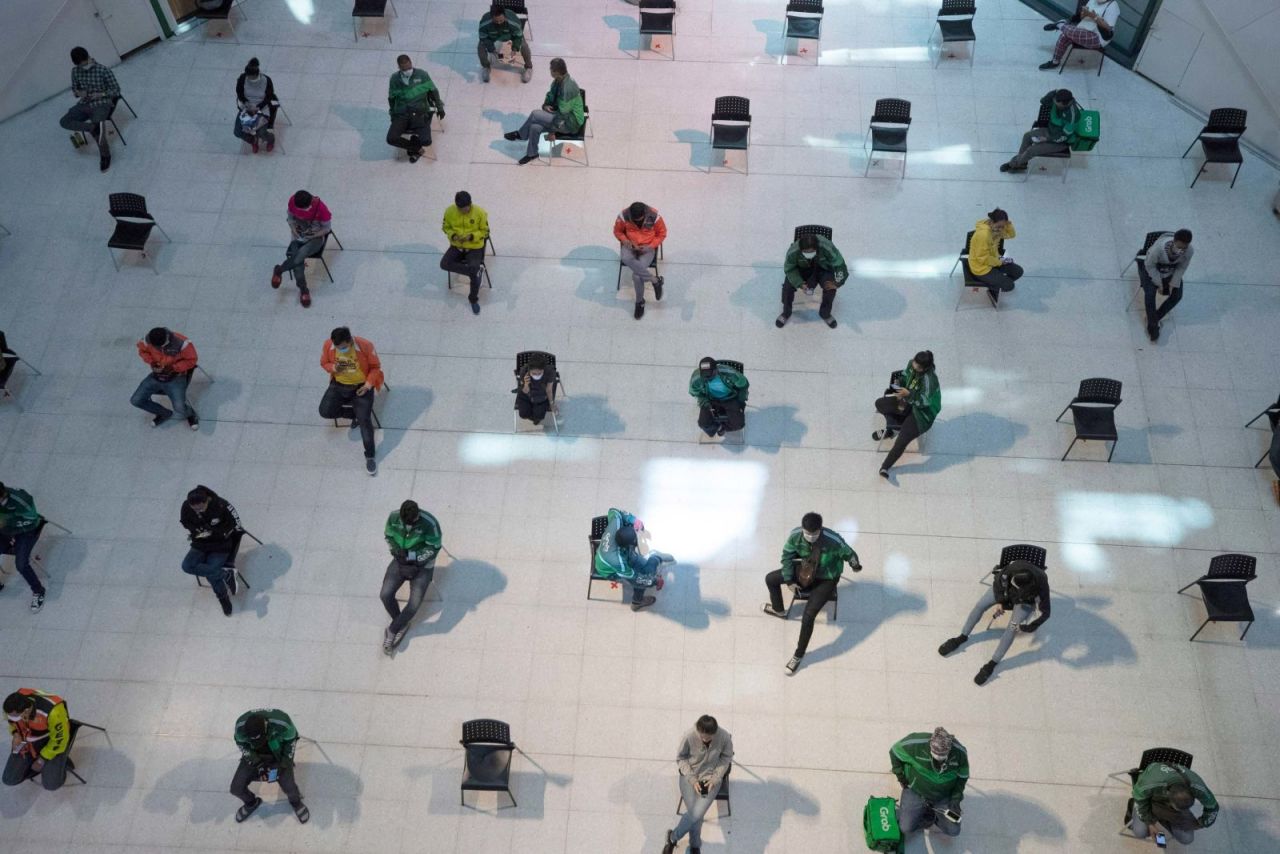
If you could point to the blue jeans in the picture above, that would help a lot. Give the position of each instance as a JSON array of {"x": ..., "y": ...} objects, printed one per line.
[
  {"x": 538, "y": 123},
  {"x": 295, "y": 257},
  {"x": 211, "y": 566},
  {"x": 175, "y": 389},
  {"x": 696, "y": 807},
  {"x": 914, "y": 812},
  {"x": 644, "y": 577},
  {"x": 21, "y": 546}
]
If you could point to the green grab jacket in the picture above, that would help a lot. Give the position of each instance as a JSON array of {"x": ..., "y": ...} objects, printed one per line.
[
  {"x": 835, "y": 551},
  {"x": 828, "y": 258},
  {"x": 912, "y": 762}
]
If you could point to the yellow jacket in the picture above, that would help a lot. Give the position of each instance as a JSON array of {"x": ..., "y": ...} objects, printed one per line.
[
  {"x": 984, "y": 249},
  {"x": 456, "y": 224}
]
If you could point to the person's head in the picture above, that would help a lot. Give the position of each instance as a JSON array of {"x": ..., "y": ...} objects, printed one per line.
[
  {"x": 158, "y": 337},
  {"x": 922, "y": 362},
  {"x": 1181, "y": 240},
  {"x": 79, "y": 56},
  {"x": 811, "y": 526},
  {"x": 707, "y": 728},
  {"x": 626, "y": 537},
  {"x": 940, "y": 744},
  {"x": 1021, "y": 579},
  {"x": 341, "y": 338},
  {"x": 18, "y": 706},
  {"x": 498, "y": 15},
  {"x": 537, "y": 366},
  {"x": 405, "y": 63},
  {"x": 558, "y": 69},
  {"x": 1063, "y": 98},
  {"x": 637, "y": 211},
  {"x": 809, "y": 246},
  {"x": 462, "y": 201},
  {"x": 1181, "y": 796},
  {"x": 997, "y": 219},
  {"x": 255, "y": 729},
  {"x": 409, "y": 512},
  {"x": 252, "y": 69},
  {"x": 707, "y": 367},
  {"x": 303, "y": 199},
  {"x": 198, "y": 499}
]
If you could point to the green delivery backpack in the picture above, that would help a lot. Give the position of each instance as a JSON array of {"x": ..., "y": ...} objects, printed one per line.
[
  {"x": 880, "y": 822},
  {"x": 1087, "y": 131}
]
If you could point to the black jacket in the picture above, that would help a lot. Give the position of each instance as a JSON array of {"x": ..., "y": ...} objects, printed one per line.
[
  {"x": 213, "y": 531},
  {"x": 1037, "y": 593},
  {"x": 268, "y": 99}
]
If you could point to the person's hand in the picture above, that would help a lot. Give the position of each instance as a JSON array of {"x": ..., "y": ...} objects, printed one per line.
[
  {"x": 902, "y": 392},
  {"x": 551, "y": 137},
  {"x": 795, "y": 588},
  {"x": 363, "y": 388},
  {"x": 38, "y": 764},
  {"x": 440, "y": 113},
  {"x": 548, "y": 108},
  {"x": 466, "y": 238},
  {"x": 1006, "y": 259},
  {"x": 1028, "y": 627},
  {"x": 854, "y": 565}
]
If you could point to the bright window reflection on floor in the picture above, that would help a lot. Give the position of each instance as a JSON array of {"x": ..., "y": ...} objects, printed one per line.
[
  {"x": 696, "y": 508},
  {"x": 1089, "y": 518},
  {"x": 303, "y": 10}
]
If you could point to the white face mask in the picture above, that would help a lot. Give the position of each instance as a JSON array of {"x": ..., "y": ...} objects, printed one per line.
[
  {"x": 809, "y": 255},
  {"x": 812, "y": 537},
  {"x": 535, "y": 377},
  {"x": 406, "y": 76},
  {"x": 14, "y": 718}
]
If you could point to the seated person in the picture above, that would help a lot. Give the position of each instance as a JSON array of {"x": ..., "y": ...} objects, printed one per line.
[
  {"x": 563, "y": 111},
  {"x": 213, "y": 528},
  {"x": 415, "y": 539},
  {"x": 19, "y": 531},
  {"x": 640, "y": 231},
  {"x": 252, "y": 126},
  {"x": 932, "y": 771},
  {"x": 467, "y": 227},
  {"x": 411, "y": 96},
  {"x": 1163, "y": 794},
  {"x": 1093, "y": 26},
  {"x": 721, "y": 393},
  {"x": 618, "y": 557},
  {"x": 41, "y": 731},
  {"x": 812, "y": 261},
  {"x": 535, "y": 389},
  {"x": 1064, "y": 115},
  {"x": 309, "y": 222},
  {"x": 96, "y": 89},
  {"x": 1020, "y": 587},
  {"x": 909, "y": 408},
  {"x": 1166, "y": 261},
  {"x": 267, "y": 739},
  {"x": 171, "y": 357},
  {"x": 495, "y": 27},
  {"x": 254, "y": 87},
  {"x": 355, "y": 375},
  {"x": 986, "y": 263}
]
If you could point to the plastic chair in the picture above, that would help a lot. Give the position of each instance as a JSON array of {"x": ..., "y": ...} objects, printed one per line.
[
  {"x": 971, "y": 281},
  {"x": 1223, "y": 591},
  {"x": 239, "y": 535},
  {"x": 1034, "y": 555},
  {"x": 803, "y": 23},
  {"x": 133, "y": 226},
  {"x": 599, "y": 524},
  {"x": 955, "y": 25},
  {"x": 657, "y": 18},
  {"x": 1100, "y": 51},
  {"x": 731, "y": 128},
  {"x": 1220, "y": 140},
  {"x": 1093, "y": 412},
  {"x": 486, "y": 763},
  {"x": 217, "y": 13},
  {"x": 1140, "y": 257},
  {"x": 372, "y": 9},
  {"x": 653, "y": 265},
  {"x": 9, "y": 360},
  {"x": 579, "y": 137},
  {"x": 320, "y": 254},
  {"x": 557, "y": 389},
  {"x": 887, "y": 131},
  {"x": 722, "y": 795}
]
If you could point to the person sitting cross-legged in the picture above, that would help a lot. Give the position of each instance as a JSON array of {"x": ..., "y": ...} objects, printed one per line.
[
  {"x": 96, "y": 89},
  {"x": 309, "y": 222},
  {"x": 467, "y": 227},
  {"x": 355, "y": 375},
  {"x": 212, "y": 526},
  {"x": 415, "y": 539},
  {"x": 640, "y": 231},
  {"x": 618, "y": 557},
  {"x": 1092, "y": 27},
  {"x": 563, "y": 110}
]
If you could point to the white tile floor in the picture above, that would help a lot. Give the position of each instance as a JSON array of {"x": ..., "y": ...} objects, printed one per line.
[{"x": 598, "y": 696}]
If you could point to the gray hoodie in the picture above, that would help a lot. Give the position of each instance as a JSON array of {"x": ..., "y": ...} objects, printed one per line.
[
  {"x": 1159, "y": 264},
  {"x": 710, "y": 762}
]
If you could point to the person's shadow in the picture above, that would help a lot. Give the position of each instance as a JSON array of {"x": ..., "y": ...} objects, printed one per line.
[
  {"x": 372, "y": 124},
  {"x": 771, "y": 29},
  {"x": 97, "y": 760},
  {"x": 505, "y": 121},
  {"x": 681, "y": 599},
  {"x": 628, "y": 31},
  {"x": 459, "y": 55},
  {"x": 1010, "y": 817},
  {"x": 894, "y": 601},
  {"x": 770, "y": 428},
  {"x": 463, "y": 585},
  {"x": 401, "y": 408},
  {"x": 209, "y": 395},
  {"x": 701, "y": 155},
  {"x": 588, "y": 415},
  {"x": 761, "y": 294},
  {"x": 952, "y": 441},
  {"x": 261, "y": 567},
  {"x": 599, "y": 266}
]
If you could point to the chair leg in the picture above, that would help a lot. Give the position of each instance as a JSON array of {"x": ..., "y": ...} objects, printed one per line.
[
  {"x": 325, "y": 264},
  {"x": 128, "y": 106},
  {"x": 1184, "y": 588},
  {"x": 1256, "y": 417},
  {"x": 513, "y": 798},
  {"x": 1235, "y": 176},
  {"x": 1261, "y": 458},
  {"x": 1102, "y": 57},
  {"x": 1198, "y": 174},
  {"x": 953, "y": 268},
  {"x": 1063, "y": 412},
  {"x": 85, "y": 782},
  {"x": 206, "y": 373},
  {"x": 1246, "y": 630},
  {"x": 113, "y": 259},
  {"x": 337, "y": 241},
  {"x": 1202, "y": 625},
  {"x": 1113, "y": 450},
  {"x": 1069, "y": 447}
]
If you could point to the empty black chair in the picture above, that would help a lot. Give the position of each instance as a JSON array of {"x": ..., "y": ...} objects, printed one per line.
[
  {"x": 1220, "y": 140},
  {"x": 240, "y": 534},
  {"x": 599, "y": 525},
  {"x": 731, "y": 127},
  {"x": 215, "y": 10},
  {"x": 579, "y": 137},
  {"x": 486, "y": 765},
  {"x": 657, "y": 18},
  {"x": 519, "y": 9},
  {"x": 955, "y": 25},
  {"x": 320, "y": 254},
  {"x": 1093, "y": 411},
  {"x": 133, "y": 225},
  {"x": 888, "y": 130},
  {"x": 1062, "y": 152},
  {"x": 1223, "y": 590},
  {"x": 803, "y": 22},
  {"x": 970, "y": 281},
  {"x": 553, "y": 409},
  {"x": 722, "y": 795},
  {"x": 372, "y": 9}
]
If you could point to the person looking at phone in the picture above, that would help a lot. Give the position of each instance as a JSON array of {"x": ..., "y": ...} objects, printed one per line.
[
  {"x": 704, "y": 757},
  {"x": 1020, "y": 587},
  {"x": 414, "y": 539},
  {"x": 909, "y": 407},
  {"x": 1165, "y": 262},
  {"x": 355, "y": 373},
  {"x": 987, "y": 261},
  {"x": 1163, "y": 794},
  {"x": 266, "y": 738},
  {"x": 932, "y": 770}
]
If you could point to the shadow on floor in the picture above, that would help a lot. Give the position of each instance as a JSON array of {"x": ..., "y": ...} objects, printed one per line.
[
  {"x": 1074, "y": 636},
  {"x": 464, "y": 584},
  {"x": 895, "y": 601}
]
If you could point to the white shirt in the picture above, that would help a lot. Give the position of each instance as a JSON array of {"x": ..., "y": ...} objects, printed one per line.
[{"x": 1108, "y": 11}]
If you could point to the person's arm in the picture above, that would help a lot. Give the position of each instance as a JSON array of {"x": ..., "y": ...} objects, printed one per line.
[
  {"x": 683, "y": 755},
  {"x": 742, "y": 388},
  {"x": 60, "y": 733},
  {"x": 482, "y": 225},
  {"x": 449, "y": 230},
  {"x": 240, "y": 99},
  {"x": 898, "y": 767},
  {"x": 962, "y": 778},
  {"x": 432, "y": 535},
  {"x": 620, "y": 230},
  {"x": 1151, "y": 262},
  {"x": 268, "y": 97},
  {"x": 186, "y": 358},
  {"x": 791, "y": 267},
  {"x": 789, "y": 556},
  {"x": 1142, "y": 792},
  {"x": 1210, "y": 804},
  {"x": 698, "y": 389},
  {"x": 373, "y": 376},
  {"x": 659, "y": 232},
  {"x": 724, "y": 762},
  {"x": 328, "y": 358},
  {"x": 1175, "y": 280},
  {"x": 110, "y": 87},
  {"x": 839, "y": 269}
]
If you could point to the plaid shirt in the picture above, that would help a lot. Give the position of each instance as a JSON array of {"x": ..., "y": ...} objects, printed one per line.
[{"x": 96, "y": 83}]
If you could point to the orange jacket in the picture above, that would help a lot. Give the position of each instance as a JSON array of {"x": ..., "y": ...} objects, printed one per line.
[
  {"x": 651, "y": 232},
  {"x": 366, "y": 358},
  {"x": 177, "y": 358}
]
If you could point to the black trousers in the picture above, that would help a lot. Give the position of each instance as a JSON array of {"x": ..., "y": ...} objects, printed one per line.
[
  {"x": 1154, "y": 315},
  {"x": 819, "y": 594},
  {"x": 54, "y": 773},
  {"x": 899, "y": 418},
  {"x": 1000, "y": 278},
  {"x": 465, "y": 262},
  {"x": 531, "y": 410},
  {"x": 246, "y": 774},
  {"x": 337, "y": 396},
  {"x": 417, "y": 124},
  {"x": 732, "y": 412},
  {"x": 817, "y": 277}
]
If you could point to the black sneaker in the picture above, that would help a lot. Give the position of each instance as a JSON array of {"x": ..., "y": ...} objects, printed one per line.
[
  {"x": 301, "y": 811},
  {"x": 952, "y": 644},
  {"x": 158, "y": 420},
  {"x": 388, "y": 641},
  {"x": 246, "y": 810},
  {"x": 1048, "y": 66},
  {"x": 193, "y": 421},
  {"x": 639, "y": 312},
  {"x": 657, "y": 288},
  {"x": 643, "y": 603},
  {"x": 233, "y": 583},
  {"x": 985, "y": 673},
  {"x": 884, "y": 473},
  {"x": 511, "y": 135},
  {"x": 1153, "y": 332},
  {"x": 528, "y": 158},
  {"x": 1050, "y": 27},
  {"x": 884, "y": 434},
  {"x": 37, "y": 602},
  {"x": 475, "y": 308},
  {"x": 104, "y": 162},
  {"x": 793, "y": 665},
  {"x": 782, "y": 319},
  {"x": 225, "y": 602},
  {"x": 831, "y": 322},
  {"x": 370, "y": 465},
  {"x": 414, "y": 156}
]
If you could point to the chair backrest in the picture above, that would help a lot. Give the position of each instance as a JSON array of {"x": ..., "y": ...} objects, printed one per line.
[
  {"x": 892, "y": 111},
  {"x": 658, "y": 7},
  {"x": 819, "y": 230},
  {"x": 1033, "y": 555},
  {"x": 517, "y": 6},
  {"x": 1235, "y": 566},
  {"x": 737, "y": 366},
  {"x": 968, "y": 237},
  {"x": 1226, "y": 120},
  {"x": 523, "y": 357},
  {"x": 1099, "y": 390},
  {"x": 812, "y": 7},
  {"x": 957, "y": 8},
  {"x": 128, "y": 206},
  {"x": 486, "y": 731},
  {"x": 895, "y": 377},
  {"x": 369, "y": 9},
  {"x": 732, "y": 108},
  {"x": 1042, "y": 118},
  {"x": 1164, "y": 754},
  {"x": 598, "y": 526},
  {"x": 1150, "y": 239}
]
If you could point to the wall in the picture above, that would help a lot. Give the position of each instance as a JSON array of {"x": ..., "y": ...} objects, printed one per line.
[
  {"x": 36, "y": 37},
  {"x": 1220, "y": 53}
]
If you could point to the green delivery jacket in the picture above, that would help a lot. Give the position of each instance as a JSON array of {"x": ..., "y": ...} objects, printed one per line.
[
  {"x": 419, "y": 96},
  {"x": 424, "y": 537},
  {"x": 911, "y": 762},
  {"x": 1151, "y": 798},
  {"x": 512, "y": 32},
  {"x": 925, "y": 397},
  {"x": 829, "y": 258},
  {"x": 570, "y": 108},
  {"x": 736, "y": 382},
  {"x": 282, "y": 738},
  {"x": 835, "y": 551},
  {"x": 612, "y": 561},
  {"x": 18, "y": 513}
]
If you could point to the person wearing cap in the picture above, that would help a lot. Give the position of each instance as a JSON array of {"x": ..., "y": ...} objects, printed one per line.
[
  {"x": 497, "y": 27},
  {"x": 40, "y": 728},
  {"x": 812, "y": 261},
  {"x": 1092, "y": 27},
  {"x": 703, "y": 758},
  {"x": 19, "y": 530},
  {"x": 932, "y": 770},
  {"x": 1064, "y": 116},
  {"x": 721, "y": 392},
  {"x": 909, "y": 407},
  {"x": 411, "y": 97},
  {"x": 535, "y": 389},
  {"x": 1163, "y": 794},
  {"x": 415, "y": 539},
  {"x": 467, "y": 227},
  {"x": 171, "y": 357},
  {"x": 212, "y": 527},
  {"x": 813, "y": 560},
  {"x": 1019, "y": 587},
  {"x": 986, "y": 258},
  {"x": 640, "y": 231},
  {"x": 310, "y": 221},
  {"x": 255, "y": 88},
  {"x": 267, "y": 739},
  {"x": 355, "y": 375},
  {"x": 1165, "y": 262},
  {"x": 618, "y": 557},
  {"x": 563, "y": 111}
]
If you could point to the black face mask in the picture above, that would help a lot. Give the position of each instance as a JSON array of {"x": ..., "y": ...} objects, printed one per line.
[{"x": 409, "y": 521}]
